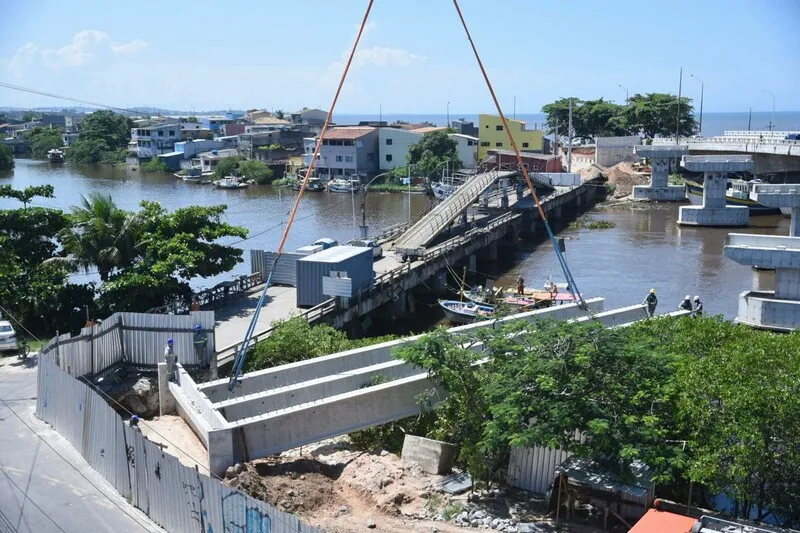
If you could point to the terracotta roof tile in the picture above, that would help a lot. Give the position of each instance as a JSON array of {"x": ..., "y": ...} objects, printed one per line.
[{"x": 349, "y": 132}]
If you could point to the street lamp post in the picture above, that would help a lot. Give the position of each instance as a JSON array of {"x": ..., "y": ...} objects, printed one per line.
[
  {"x": 409, "y": 194},
  {"x": 772, "y": 122},
  {"x": 702, "y": 87},
  {"x": 364, "y": 229},
  {"x": 626, "y": 93}
]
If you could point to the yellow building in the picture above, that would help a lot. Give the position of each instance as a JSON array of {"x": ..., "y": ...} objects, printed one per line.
[{"x": 492, "y": 134}]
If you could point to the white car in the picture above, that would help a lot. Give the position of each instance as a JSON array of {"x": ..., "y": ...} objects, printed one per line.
[
  {"x": 377, "y": 250},
  {"x": 8, "y": 337}
]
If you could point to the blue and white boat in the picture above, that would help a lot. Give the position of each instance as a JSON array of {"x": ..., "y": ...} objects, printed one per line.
[
  {"x": 465, "y": 312},
  {"x": 737, "y": 194}
]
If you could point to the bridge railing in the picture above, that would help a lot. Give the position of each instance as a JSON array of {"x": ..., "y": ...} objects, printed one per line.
[
  {"x": 221, "y": 293},
  {"x": 734, "y": 141}
]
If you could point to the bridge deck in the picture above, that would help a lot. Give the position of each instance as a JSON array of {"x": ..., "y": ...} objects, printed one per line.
[{"x": 427, "y": 228}]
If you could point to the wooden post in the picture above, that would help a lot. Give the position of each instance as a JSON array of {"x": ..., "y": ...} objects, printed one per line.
[{"x": 558, "y": 501}]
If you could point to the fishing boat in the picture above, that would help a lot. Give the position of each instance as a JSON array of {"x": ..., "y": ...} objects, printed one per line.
[
  {"x": 55, "y": 155},
  {"x": 314, "y": 185},
  {"x": 530, "y": 300},
  {"x": 465, "y": 312},
  {"x": 737, "y": 194},
  {"x": 343, "y": 185},
  {"x": 231, "y": 182},
  {"x": 444, "y": 188},
  {"x": 194, "y": 175}
]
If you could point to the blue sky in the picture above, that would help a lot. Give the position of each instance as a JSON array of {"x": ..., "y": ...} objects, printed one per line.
[{"x": 414, "y": 57}]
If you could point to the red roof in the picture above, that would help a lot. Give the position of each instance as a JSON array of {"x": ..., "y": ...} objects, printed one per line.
[
  {"x": 655, "y": 521},
  {"x": 348, "y": 132}
]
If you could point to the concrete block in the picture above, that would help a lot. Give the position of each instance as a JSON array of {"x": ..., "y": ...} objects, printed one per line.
[
  {"x": 761, "y": 309},
  {"x": 220, "y": 451},
  {"x": 660, "y": 152},
  {"x": 166, "y": 401},
  {"x": 692, "y": 215},
  {"x": 717, "y": 163},
  {"x": 669, "y": 193},
  {"x": 433, "y": 456}
]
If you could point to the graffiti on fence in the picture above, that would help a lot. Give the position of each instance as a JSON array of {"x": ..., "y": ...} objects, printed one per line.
[
  {"x": 194, "y": 493},
  {"x": 255, "y": 521},
  {"x": 158, "y": 471},
  {"x": 131, "y": 456}
]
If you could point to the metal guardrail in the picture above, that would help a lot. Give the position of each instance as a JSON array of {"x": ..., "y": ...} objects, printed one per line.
[
  {"x": 311, "y": 315},
  {"x": 220, "y": 293}
]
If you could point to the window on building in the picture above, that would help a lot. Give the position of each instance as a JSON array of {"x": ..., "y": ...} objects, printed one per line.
[
  {"x": 485, "y": 143},
  {"x": 370, "y": 157},
  {"x": 525, "y": 145},
  {"x": 535, "y": 167},
  {"x": 499, "y": 127},
  {"x": 160, "y": 133},
  {"x": 388, "y": 142},
  {"x": 348, "y": 159},
  {"x": 388, "y": 158},
  {"x": 172, "y": 133},
  {"x": 338, "y": 159},
  {"x": 499, "y": 145},
  {"x": 470, "y": 143}
]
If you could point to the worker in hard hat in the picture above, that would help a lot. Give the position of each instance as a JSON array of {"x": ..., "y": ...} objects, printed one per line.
[
  {"x": 651, "y": 302},
  {"x": 686, "y": 304},
  {"x": 697, "y": 309},
  {"x": 170, "y": 358},
  {"x": 200, "y": 343}
]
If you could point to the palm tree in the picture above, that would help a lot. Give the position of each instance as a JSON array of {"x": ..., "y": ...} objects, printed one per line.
[{"x": 102, "y": 235}]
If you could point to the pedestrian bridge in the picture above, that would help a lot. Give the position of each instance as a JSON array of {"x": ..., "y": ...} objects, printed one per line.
[{"x": 751, "y": 142}]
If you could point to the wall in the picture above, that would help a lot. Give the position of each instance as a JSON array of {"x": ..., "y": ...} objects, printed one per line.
[
  {"x": 177, "y": 498},
  {"x": 366, "y": 147},
  {"x": 613, "y": 150},
  {"x": 401, "y": 141},
  {"x": 488, "y": 133},
  {"x": 467, "y": 149}
]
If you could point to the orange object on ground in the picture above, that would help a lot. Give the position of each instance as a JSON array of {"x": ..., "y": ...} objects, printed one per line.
[{"x": 655, "y": 521}]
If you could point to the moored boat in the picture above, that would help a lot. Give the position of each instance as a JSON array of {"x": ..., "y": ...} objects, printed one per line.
[
  {"x": 343, "y": 185},
  {"x": 465, "y": 312},
  {"x": 738, "y": 194},
  {"x": 55, "y": 155},
  {"x": 314, "y": 185},
  {"x": 231, "y": 182}
]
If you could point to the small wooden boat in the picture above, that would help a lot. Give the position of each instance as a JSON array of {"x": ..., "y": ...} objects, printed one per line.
[
  {"x": 530, "y": 300},
  {"x": 55, "y": 155},
  {"x": 314, "y": 185},
  {"x": 342, "y": 185},
  {"x": 465, "y": 312}
]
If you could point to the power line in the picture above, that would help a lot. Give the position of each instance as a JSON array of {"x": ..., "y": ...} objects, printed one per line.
[
  {"x": 117, "y": 505},
  {"x": 67, "y": 98},
  {"x": 25, "y": 495}
]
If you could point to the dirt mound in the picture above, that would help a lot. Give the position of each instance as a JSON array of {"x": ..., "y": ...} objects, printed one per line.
[{"x": 624, "y": 178}]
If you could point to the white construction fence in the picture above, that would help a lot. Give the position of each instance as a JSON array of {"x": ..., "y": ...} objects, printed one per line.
[{"x": 177, "y": 498}]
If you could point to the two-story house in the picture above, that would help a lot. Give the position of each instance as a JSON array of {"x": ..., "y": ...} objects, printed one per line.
[
  {"x": 150, "y": 141},
  {"x": 348, "y": 151},
  {"x": 395, "y": 142},
  {"x": 492, "y": 135}
]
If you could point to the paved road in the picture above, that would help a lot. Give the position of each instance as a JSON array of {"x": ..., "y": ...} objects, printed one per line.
[{"x": 66, "y": 500}]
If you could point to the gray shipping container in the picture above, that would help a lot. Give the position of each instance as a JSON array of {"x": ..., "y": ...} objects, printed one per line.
[{"x": 356, "y": 261}]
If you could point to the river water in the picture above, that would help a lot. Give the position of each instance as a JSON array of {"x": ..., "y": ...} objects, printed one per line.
[{"x": 646, "y": 249}]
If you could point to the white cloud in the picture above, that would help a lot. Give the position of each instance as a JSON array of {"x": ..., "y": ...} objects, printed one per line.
[
  {"x": 131, "y": 47},
  {"x": 383, "y": 56},
  {"x": 21, "y": 59},
  {"x": 77, "y": 53}
]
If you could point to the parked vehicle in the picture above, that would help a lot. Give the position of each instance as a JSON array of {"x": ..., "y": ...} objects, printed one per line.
[
  {"x": 326, "y": 243},
  {"x": 377, "y": 249},
  {"x": 8, "y": 337}
]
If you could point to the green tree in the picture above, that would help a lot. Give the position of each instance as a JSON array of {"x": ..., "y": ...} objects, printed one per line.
[
  {"x": 280, "y": 114},
  {"x": 43, "y": 140},
  {"x": 88, "y": 151},
  {"x": 296, "y": 340},
  {"x": 656, "y": 114},
  {"x": 34, "y": 291},
  {"x": 176, "y": 247},
  {"x": 192, "y": 119},
  {"x": 431, "y": 152},
  {"x": 227, "y": 166},
  {"x": 590, "y": 118},
  {"x": 102, "y": 235},
  {"x": 110, "y": 127},
  {"x": 256, "y": 171},
  {"x": 154, "y": 165},
  {"x": 6, "y": 158},
  {"x": 29, "y": 116}
]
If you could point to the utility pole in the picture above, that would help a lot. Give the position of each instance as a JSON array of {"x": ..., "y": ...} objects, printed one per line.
[
  {"x": 678, "y": 118},
  {"x": 702, "y": 86},
  {"x": 515, "y": 107},
  {"x": 380, "y": 113},
  {"x": 555, "y": 139},
  {"x": 569, "y": 136},
  {"x": 749, "y": 119},
  {"x": 448, "y": 114},
  {"x": 772, "y": 122},
  {"x": 626, "y": 93}
]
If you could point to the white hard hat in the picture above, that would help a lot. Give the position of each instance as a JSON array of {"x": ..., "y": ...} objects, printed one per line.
[
  {"x": 696, "y": 297},
  {"x": 687, "y": 297}
]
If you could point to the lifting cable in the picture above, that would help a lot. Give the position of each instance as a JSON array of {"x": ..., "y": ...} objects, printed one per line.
[
  {"x": 561, "y": 259},
  {"x": 238, "y": 364}
]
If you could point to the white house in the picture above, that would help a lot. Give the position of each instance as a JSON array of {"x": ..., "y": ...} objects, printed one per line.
[
  {"x": 155, "y": 140},
  {"x": 394, "y": 144}
]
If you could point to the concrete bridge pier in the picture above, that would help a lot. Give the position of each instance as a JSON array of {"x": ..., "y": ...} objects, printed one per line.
[
  {"x": 779, "y": 309},
  {"x": 489, "y": 253},
  {"x": 440, "y": 283},
  {"x": 659, "y": 189},
  {"x": 504, "y": 191},
  {"x": 714, "y": 212},
  {"x": 473, "y": 262}
]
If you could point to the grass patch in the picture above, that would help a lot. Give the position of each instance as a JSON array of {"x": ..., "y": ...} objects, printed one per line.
[
  {"x": 393, "y": 187},
  {"x": 587, "y": 222},
  {"x": 676, "y": 179},
  {"x": 452, "y": 509},
  {"x": 285, "y": 182}
]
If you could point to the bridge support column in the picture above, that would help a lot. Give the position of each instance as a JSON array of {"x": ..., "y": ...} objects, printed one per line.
[
  {"x": 473, "y": 262},
  {"x": 398, "y": 306},
  {"x": 440, "y": 283},
  {"x": 486, "y": 198},
  {"x": 504, "y": 189},
  {"x": 489, "y": 253},
  {"x": 714, "y": 212},
  {"x": 555, "y": 213},
  {"x": 779, "y": 309},
  {"x": 659, "y": 189},
  {"x": 464, "y": 220}
]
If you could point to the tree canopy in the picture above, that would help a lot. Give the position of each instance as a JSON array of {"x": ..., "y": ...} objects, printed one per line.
[
  {"x": 227, "y": 166},
  {"x": 43, "y": 140},
  {"x": 256, "y": 171},
  {"x": 432, "y": 151},
  {"x": 6, "y": 158},
  {"x": 103, "y": 139},
  {"x": 653, "y": 114}
]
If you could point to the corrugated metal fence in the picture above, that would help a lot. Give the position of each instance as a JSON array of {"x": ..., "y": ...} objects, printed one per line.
[
  {"x": 135, "y": 338},
  {"x": 285, "y": 270},
  {"x": 533, "y": 469},
  {"x": 177, "y": 498}
]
